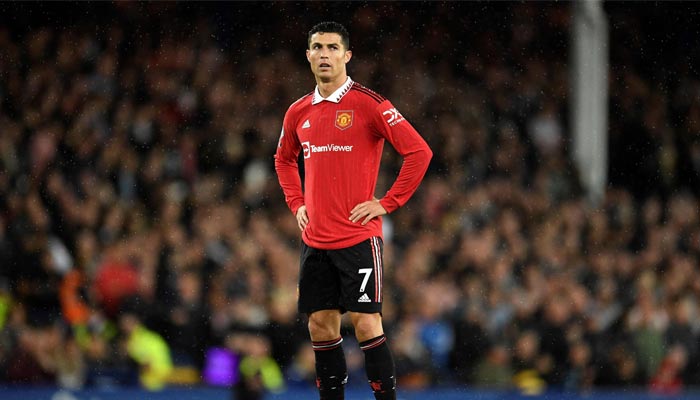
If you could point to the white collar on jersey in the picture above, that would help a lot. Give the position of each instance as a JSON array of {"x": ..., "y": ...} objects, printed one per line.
[{"x": 336, "y": 96}]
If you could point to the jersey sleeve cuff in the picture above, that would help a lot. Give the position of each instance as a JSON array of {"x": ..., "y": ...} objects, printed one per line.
[
  {"x": 389, "y": 204},
  {"x": 295, "y": 207}
]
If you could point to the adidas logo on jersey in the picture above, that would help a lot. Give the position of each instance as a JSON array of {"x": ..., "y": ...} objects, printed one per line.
[
  {"x": 306, "y": 124},
  {"x": 364, "y": 299}
]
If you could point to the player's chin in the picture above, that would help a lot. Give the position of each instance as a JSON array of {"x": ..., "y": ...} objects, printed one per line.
[{"x": 325, "y": 77}]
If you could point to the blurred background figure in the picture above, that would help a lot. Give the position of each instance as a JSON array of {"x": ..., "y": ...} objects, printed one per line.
[
  {"x": 259, "y": 372},
  {"x": 146, "y": 348}
]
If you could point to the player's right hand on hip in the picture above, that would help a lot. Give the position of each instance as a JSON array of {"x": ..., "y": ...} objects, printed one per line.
[{"x": 302, "y": 218}]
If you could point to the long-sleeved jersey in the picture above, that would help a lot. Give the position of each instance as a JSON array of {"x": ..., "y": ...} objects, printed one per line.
[{"x": 342, "y": 138}]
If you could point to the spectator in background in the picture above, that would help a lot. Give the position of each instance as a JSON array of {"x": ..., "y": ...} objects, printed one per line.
[
  {"x": 668, "y": 379},
  {"x": 494, "y": 370},
  {"x": 259, "y": 373},
  {"x": 580, "y": 374},
  {"x": 148, "y": 349},
  {"x": 187, "y": 330},
  {"x": 412, "y": 357},
  {"x": 529, "y": 367}
]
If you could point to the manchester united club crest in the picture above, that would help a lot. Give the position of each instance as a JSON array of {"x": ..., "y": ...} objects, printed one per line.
[{"x": 343, "y": 119}]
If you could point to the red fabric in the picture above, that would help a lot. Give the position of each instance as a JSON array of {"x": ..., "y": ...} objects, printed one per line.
[
  {"x": 667, "y": 381},
  {"x": 114, "y": 282},
  {"x": 342, "y": 145}
]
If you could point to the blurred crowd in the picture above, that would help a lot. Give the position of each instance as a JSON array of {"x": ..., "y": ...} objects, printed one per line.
[{"x": 143, "y": 234}]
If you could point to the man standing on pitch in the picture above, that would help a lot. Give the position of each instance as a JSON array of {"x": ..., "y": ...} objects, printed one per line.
[{"x": 341, "y": 127}]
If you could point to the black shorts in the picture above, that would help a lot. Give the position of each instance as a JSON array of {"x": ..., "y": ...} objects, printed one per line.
[{"x": 348, "y": 279}]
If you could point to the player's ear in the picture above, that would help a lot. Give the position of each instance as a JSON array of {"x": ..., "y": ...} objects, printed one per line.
[
  {"x": 348, "y": 55},
  {"x": 307, "y": 56}
]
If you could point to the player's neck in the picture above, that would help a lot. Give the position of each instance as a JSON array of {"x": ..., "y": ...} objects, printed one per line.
[{"x": 327, "y": 88}]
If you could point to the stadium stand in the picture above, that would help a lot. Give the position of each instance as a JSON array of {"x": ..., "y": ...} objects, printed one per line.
[{"x": 136, "y": 144}]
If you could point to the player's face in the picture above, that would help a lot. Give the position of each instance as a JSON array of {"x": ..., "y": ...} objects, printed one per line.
[{"x": 327, "y": 56}]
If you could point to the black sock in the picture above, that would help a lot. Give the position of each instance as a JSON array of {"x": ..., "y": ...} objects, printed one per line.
[
  {"x": 380, "y": 368},
  {"x": 331, "y": 371}
]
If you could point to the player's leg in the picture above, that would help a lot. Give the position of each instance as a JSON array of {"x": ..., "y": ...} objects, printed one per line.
[
  {"x": 319, "y": 289},
  {"x": 324, "y": 325},
  {"x": 379, "y": 363},
  {"x": 331, "y": 369},
  {"x": 367, "y": 325},
  {"x": 361, "y": 276}
]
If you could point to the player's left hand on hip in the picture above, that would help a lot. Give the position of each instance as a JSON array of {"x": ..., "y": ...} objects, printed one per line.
[{"x": 366, "y": 211}]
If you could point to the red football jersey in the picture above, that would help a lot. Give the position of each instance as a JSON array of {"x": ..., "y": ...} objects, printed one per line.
[{"x": 342, "y": 138}]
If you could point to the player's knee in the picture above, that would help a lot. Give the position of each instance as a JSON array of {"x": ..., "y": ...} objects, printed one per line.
[
  {"x": 322, "y": 328},
  {"x": 367, "y": 327}
]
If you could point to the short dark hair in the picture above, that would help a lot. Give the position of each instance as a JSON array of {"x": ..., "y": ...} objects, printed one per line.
[{"x": 331, "y": 27}]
